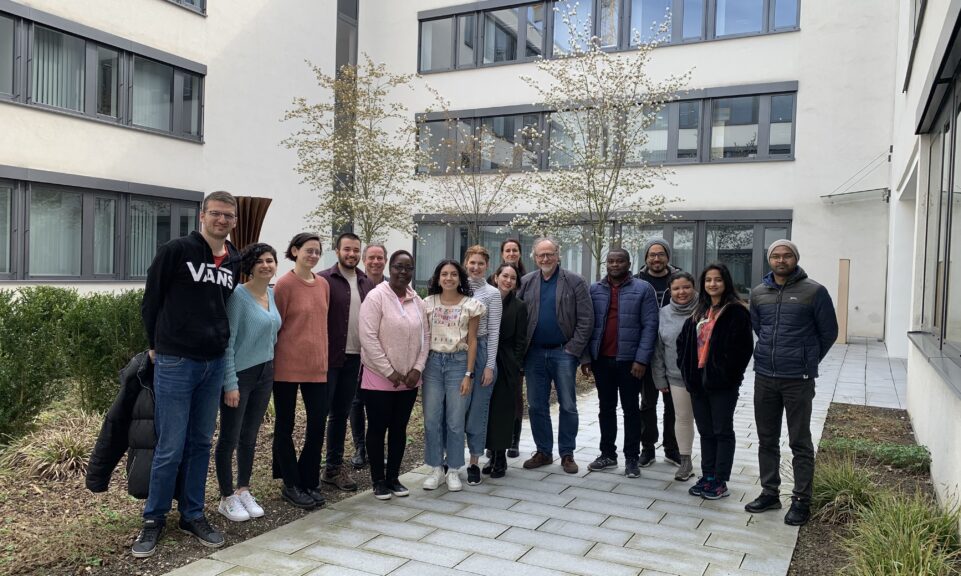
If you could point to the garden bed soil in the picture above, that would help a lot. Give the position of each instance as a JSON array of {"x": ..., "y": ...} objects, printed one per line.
[{"x": 819, "y": 550}]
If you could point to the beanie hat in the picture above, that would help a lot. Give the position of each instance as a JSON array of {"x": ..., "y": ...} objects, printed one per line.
[
  {"x": 790, "y": 246},
  {"x": 659, "y": 241}
]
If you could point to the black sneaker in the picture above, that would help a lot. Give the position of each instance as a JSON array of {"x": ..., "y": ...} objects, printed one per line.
[
  {"x": 396, "y": 488},
  {"x": 359, "y": 459},
  {"x": 473, "y": 475},
  {"x": 146, "y": 543},
  {"x": 297, "y": 497},
  {"x": 699, "y": 486},
  {"x": 631, "y": 468},
  {"x": 602, "y": 462},
  {"x": 380, "y": 490},
  {"x": 799, "y": 514},
  {"x": 203, "y": 531},
  {"x": 715, "y": 490},
  {"x": 318, "y": 497},
  {"x": 673, "y": 457},
  {"x": 488, "y": 468},
  {"x": 762, "y": 503},
  {"x": 647, "y": 458}
]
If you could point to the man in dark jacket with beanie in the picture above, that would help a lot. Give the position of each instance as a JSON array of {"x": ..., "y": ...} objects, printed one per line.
[
  {"x": 794, "y": 319},
  {"x": 657, "y": 271},
  {"x": 185, "y": 315}
]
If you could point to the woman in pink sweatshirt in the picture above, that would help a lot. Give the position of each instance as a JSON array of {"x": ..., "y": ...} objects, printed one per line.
[{"x": 394, "y": 342}]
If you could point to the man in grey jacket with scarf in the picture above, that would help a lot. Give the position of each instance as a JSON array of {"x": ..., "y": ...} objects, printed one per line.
[{"x": 560, "y": 321}]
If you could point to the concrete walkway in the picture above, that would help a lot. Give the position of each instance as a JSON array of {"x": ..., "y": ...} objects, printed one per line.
[{"x": 545, "y": 522}]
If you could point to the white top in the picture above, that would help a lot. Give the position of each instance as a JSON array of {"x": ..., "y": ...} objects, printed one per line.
[
  {"x": 449, "y": 324},
  {"x": 490, "y": 322}
]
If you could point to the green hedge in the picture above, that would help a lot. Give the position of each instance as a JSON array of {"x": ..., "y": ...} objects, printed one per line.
[{"x": 52, "y": 339}]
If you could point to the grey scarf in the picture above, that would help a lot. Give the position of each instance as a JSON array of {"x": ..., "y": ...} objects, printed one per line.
[{"x": 684, "y": 309}]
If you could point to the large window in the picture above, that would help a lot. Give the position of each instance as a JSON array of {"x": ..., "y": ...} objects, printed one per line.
[
  {"x": 521, "y": 32},
  {"x": 734, "y": 123},
  {"x": 65, "y": 71},
  {"x": 77, "y": 233}
]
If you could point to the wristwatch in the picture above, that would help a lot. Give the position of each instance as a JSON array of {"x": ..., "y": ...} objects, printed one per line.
[{"x": 469, "y": 374}]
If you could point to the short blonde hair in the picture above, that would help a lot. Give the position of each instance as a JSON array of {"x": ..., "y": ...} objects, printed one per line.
[{"x": 477, "y": 249}]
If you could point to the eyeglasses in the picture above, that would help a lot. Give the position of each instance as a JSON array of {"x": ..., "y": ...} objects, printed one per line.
[
  {"x": 217, "y": 215},
  {"x": 399, "y": 268},
  {"x": 545, "y": 256},
  {"x": 657, "y": 255},
  {"x": 311, "y": 251}
]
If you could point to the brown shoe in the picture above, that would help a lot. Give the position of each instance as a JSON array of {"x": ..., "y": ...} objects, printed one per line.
[
  {"x": 537, "y": 460},
  {"x": 568, "y": 464},
  {"x": 340, "y": 478}
]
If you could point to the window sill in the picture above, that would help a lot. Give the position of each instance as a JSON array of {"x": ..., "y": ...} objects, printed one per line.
[
  {"x": 193, "y": 9},
  {"x": 945, "y": 363}
]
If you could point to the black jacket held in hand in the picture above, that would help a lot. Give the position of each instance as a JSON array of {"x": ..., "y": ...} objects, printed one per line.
[
  {"x": 128, "y": 427},
  {"x": 185, "y": 298},
  {"x": 731, "y": 346}
]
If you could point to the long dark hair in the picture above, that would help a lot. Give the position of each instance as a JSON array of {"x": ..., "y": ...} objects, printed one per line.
[
  {"x": 521, "y": 270},
  {"x": 250, "y": 255},
  {"x": 497, "y": 272},
  {"x": 729, "y": 296},
  {"x": 463, "y": 287}
]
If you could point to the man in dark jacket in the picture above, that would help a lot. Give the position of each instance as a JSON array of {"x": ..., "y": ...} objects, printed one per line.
[
  {"x": 185, "y": 315},
  {"x": 657, "y": 271},
  {"x": 794, "y": 319},
  {"x": 348, "y": 288},
  {"x": 559, "y": 327},
  {"x": 622, "y": 344}
]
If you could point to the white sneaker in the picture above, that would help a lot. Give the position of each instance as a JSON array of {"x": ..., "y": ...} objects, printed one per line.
[
  {"x": 250, "y": 504},
  {"x": 232, "y": 509},
  {"x": 453, "y": 481},
  {"x": 434, "y": 479}
]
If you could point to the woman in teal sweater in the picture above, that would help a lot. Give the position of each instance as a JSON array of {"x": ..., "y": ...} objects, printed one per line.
[{"x": 248, "y": 380}]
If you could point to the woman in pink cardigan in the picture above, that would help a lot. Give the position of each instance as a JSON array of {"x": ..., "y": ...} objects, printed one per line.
[{"x": 394, "y": 341}]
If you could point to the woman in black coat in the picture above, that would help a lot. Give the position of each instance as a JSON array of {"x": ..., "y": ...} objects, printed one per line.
[
  {"x": 713, "y": 350},
  {"x": 510, "y": 362}
]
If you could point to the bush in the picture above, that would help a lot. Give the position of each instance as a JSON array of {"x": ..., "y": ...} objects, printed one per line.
[
  {"x": 907, "y": 457},
  {"x": 839, "y": 490},
  {"x": 900, "y": 535},
  {"x": 33, "y": 365},
  {"x": 103, "y": 332}
]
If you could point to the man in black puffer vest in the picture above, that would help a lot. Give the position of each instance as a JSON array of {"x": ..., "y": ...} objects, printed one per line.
[{"x": 794, "y": 319}]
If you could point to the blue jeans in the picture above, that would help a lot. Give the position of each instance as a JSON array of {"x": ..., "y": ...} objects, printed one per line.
[
  {"x": 479, "y": 402},
  {"x": 541, "y": 367},
  {"x": 187, "y": 394},
  {"x": 445, "y": 410}
]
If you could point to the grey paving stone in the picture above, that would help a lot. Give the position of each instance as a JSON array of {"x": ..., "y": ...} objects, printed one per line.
[
  {"x": 585, "y": 532},
  {"x": 533, "y": 496},
  {"x": 355, "y": 558},
  {"x": 610, "y": 497},
  {"x": 766, "y": 565},
  {"x": 244, "y": 571},
  {"x": 590, "y": 518},
  {"x": 276, "y": 563},
  {"x": 460, "y": 524},
  {"x": 660, "y": 495},
  {"x": 499, "y": 516},
  {"x": 680, "y": 521},
  {"x": 331, "y": 570},
  {"x": 205, "y": 567},
  {"x": 576, "y": 564},
  {"x": 480, "y": 545},
  {"x": 405, "y": 530},
  {"x": 755, "y": 547},
  {"x": 429, "y": 504},
  {"x": 488, "y": 500},
  {"x": 546, "y": 540},
  {"x": 413, "y": 568},
  {"x": 491, "y": 566},
  {"x": 707, "y": 554},
  {"x": 722, "y": 571},
  {"x": 376, "y": 508},
  {"x": 666, "y": 560},
  {"x": 420, "y": 551},
  {"x": 592, "y": 481},
  {"x": 655, "y": 530},
  {"x": 615, "y": 509},
  {"x": 530, "y": 485}
]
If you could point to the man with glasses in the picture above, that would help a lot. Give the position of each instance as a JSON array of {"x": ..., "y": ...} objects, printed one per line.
[
  {"x": 794, "y": 319},
  {"x": 657, "y": 271},
  {"x": 185, "y": 316},
  {"x": 561, "y": 319}
]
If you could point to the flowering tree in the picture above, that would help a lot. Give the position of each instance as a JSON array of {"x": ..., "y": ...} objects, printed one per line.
[
  {"x": 470, "y": 170},
  {"x": 356, "y": 148},
  {"x": 601, "y": 170}
]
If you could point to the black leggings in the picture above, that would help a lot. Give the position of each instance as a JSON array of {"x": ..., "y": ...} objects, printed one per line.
[
  {"x": 714, "y": 416},
  {"x": 305, "y": 471},
  {"x": 388, "y": 413},
  {"x": 239, "y": 426}
]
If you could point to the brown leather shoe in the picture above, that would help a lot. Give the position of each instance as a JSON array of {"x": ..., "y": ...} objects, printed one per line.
[
  {"x": 568, "y": 464},
  {"x": 537, "y": 460}
]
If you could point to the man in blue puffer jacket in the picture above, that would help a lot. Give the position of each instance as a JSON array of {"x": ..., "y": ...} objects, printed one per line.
[
  {"x": 794, "y": 319},
  {"x": 622, "y": 345}
]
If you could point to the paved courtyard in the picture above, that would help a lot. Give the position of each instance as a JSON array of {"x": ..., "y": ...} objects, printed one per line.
[{"x": 545, "y": 522}]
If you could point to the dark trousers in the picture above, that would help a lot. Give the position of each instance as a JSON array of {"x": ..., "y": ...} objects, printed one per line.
[
  {"x": 772, "y": 398},
  {"x": 343, "y": 383},
  {"x": 614, "y": 379},
  {"x": 358, "y": 421},
  {"x": 388, "y": 413},
  {"x": 303, "y": 472},
  {"x": 239, "y": 426},
  {"x": 649, "y": 396},
  {"x": 714, "y": 417}
]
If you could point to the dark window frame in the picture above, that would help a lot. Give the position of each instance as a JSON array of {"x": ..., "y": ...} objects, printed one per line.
[{"x": 201, "y": 10}]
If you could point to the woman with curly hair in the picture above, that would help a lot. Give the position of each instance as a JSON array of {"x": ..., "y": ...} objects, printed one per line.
[{"x": 454, "y": 318}]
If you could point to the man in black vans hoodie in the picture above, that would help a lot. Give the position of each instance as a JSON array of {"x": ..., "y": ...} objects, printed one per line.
[{"x": 185, "y": 314}]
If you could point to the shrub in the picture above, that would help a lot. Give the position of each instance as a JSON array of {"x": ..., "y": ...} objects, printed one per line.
[
  {"x": 59, "y": 447},
  {"x": 907, "y": 457},
  {"x": 901, "y": 535},
  {"x": 839, "y": 490},
  {"x": 33, "y": 367},
  {"x": 103, "y": 332}
]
